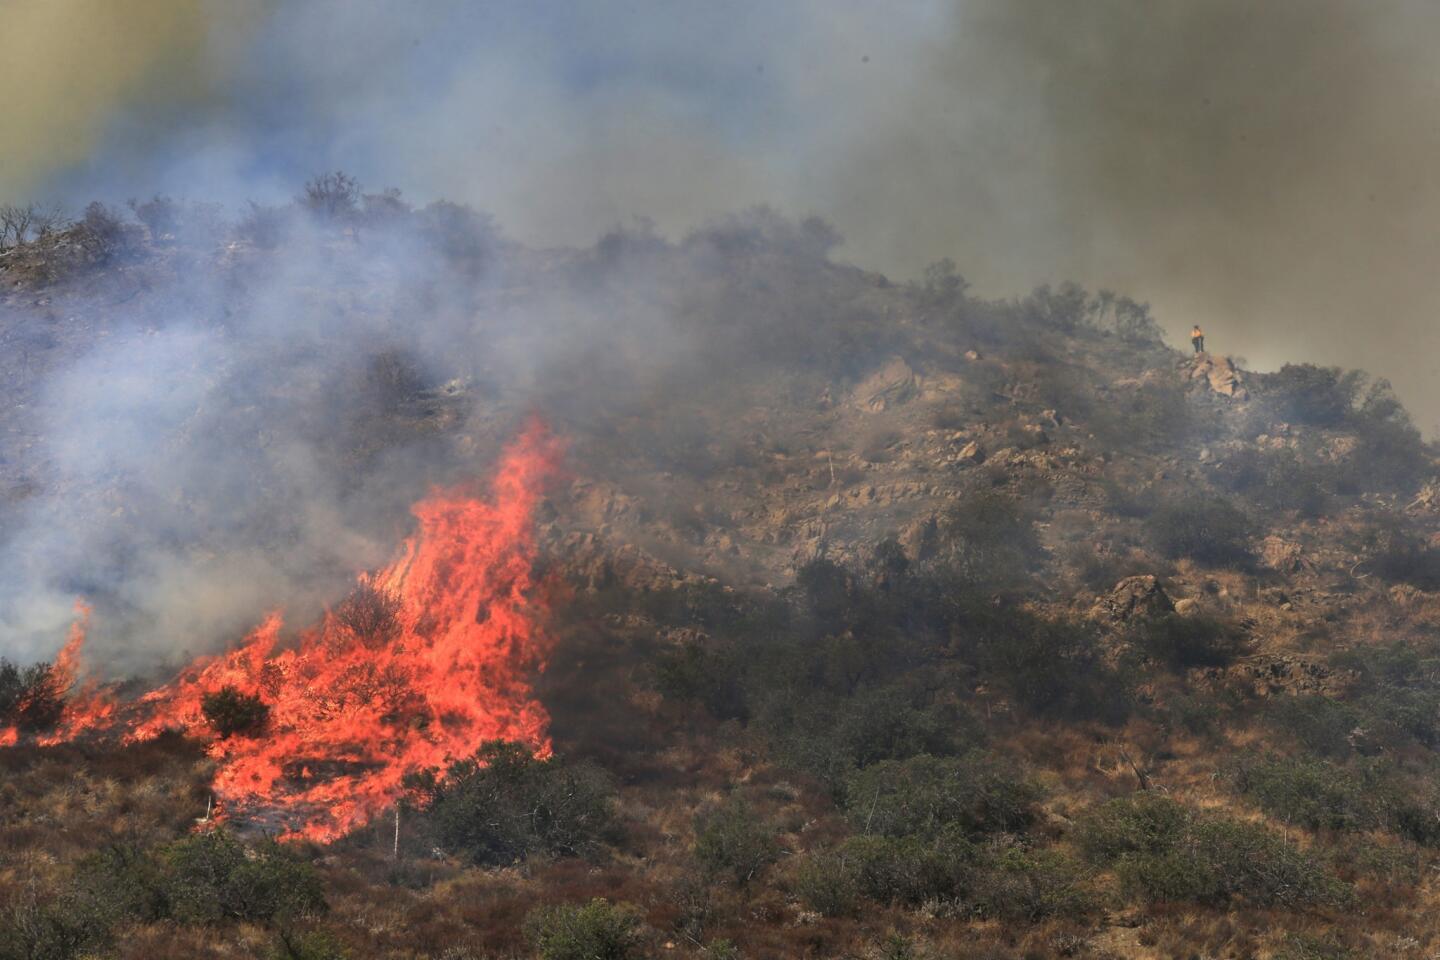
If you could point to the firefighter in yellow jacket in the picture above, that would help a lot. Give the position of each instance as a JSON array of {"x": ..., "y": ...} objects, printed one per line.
[{"x": 1197, "y": 338}]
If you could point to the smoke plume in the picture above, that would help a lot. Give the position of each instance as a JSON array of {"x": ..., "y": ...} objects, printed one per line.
[{"x": 1261, "y": 169}]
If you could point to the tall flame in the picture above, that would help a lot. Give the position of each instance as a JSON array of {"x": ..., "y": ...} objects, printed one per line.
[{"x": 350, "y": 714}]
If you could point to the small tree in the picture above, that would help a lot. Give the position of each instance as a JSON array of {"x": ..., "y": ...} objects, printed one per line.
[
  {"x": 599, "y": 930},
  {"x": 332, "y": 196},
  {"x": 213, "y": 877},
  {"x": 230, "y": 712},
  {"x": 1207, "y": 529},
  {"x": 504, "y": 804},
  {"x": 734, "y": 842},
  {"x": 31, "y": 698},
  {"x": 370, "y": 614},
  {"x": 21, "y": 224}
]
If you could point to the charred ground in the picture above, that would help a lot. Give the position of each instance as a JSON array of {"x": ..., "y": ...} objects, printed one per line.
[{"x": 888, "y": 620}]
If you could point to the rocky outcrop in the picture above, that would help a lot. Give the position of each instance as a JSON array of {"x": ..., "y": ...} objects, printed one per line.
[
  {"x": 1280, "y": 554},
  {"x": 1219, "y": 374},
  {"x": 893, "y": 384},
  {"x": 1140, "y": 596}
]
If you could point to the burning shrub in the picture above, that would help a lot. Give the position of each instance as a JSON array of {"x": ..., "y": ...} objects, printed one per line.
[
  {"x": 924, "y": 796},
  {"x": 732, "y": 841},
  {"x": 31, "y": 698},
  {"x": 599, "y": 930},
  {"x": 370, "y": 614},
  {"x": 504, "y": 804},
  {"x": 230, "y": 712}
]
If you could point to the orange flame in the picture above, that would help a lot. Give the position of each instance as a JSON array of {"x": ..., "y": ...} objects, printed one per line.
[{"x": 349, "y": 719}]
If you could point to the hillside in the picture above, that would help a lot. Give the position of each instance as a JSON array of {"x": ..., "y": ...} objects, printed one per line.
[{"x": 883, "y": 620}]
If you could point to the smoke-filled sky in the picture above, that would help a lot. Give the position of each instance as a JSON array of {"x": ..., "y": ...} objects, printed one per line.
[{"x": 1265, "y": 169}]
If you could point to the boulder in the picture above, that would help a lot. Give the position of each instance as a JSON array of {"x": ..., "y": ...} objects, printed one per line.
[
  {"x": 1140, "y": 596},
  {"x": 893, "y": 384},
  {"x": 1219, "y": 374},
  {"x": 1187, "y": 606},
  {"x": 971, "y": 453}
]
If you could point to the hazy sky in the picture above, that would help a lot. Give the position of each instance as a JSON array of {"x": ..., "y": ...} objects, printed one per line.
[{"x": 1268, "y": 170}]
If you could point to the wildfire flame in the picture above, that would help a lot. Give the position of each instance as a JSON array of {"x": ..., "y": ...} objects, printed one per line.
[{"x": 350, "y": 713}]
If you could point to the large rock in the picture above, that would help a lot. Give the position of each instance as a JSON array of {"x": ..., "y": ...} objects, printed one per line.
[
  {"x": 893, "y": 384},
  {"x": 1140, "y": 596},
  {"x": 1220, "y": 374}
]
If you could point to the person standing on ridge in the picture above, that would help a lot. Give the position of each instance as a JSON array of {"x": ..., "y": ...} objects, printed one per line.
[{"x": 1197, "y": 338}]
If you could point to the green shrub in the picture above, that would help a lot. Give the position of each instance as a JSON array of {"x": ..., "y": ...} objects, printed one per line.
[
  {"x": 709, "y": 673},
  {"x": 598, "y": 930},
  {"x": 925, "y": 796},
  {"x": 1313, "y": 794},
  {"x": 1398, "y": 554},
  {"x": 909, "y": 870},
  {"x": 504, "y": 804},
  {"x": 54, "y": 930},
  {"x": 1277, "y": 479},
  {"x": 1185, "y": 642},
  {"x": 1050, "y": 666},
  {"x": 212, "y": 877},
  {"x": 1141, "y": 823},
  {"x": 733, "y": 842},
  {"x": 1161, "y": 850},
  {"x": 1207, "y": 530},
  {"x": 1304, "y": 947},
  {"x": 895, "y": 722},
  {"x": 1324, "y": 725},
  {"x": 309, "y": 945},
  {"x": 1318, "y": 396},
  {"x": 827, "y": 883},
  {"x": 124, "y": 883},
  {"x": 1395, "y": 694},
  {"x": 1021, "y": 884},
  {"x": 230, "y": 712},
  {"x": 987, "y": 541}
]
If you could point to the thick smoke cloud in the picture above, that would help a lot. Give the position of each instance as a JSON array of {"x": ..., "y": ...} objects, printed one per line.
[{"x": 1262, "y": 169}]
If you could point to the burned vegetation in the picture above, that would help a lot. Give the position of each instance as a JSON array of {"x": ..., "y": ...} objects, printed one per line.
[{"x": 863, "y": 619}]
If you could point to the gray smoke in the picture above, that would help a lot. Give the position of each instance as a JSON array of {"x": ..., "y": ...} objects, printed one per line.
[{"x": 1261, "y": 169}]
